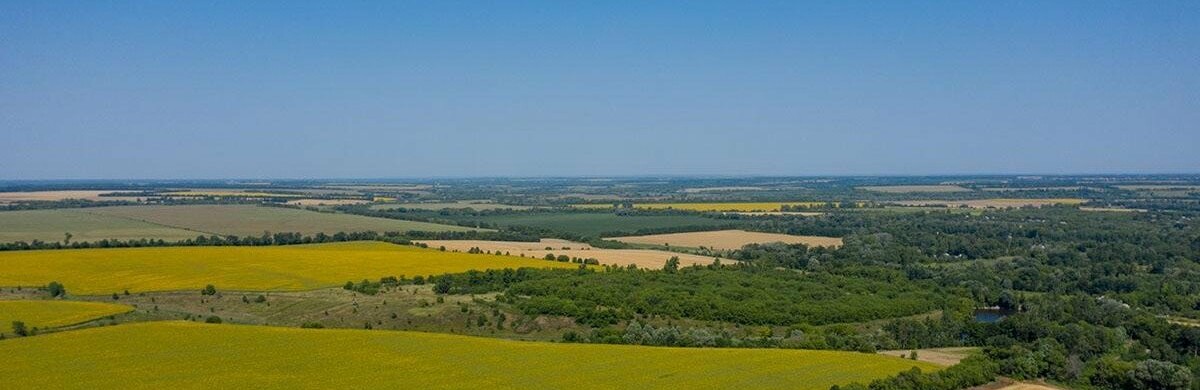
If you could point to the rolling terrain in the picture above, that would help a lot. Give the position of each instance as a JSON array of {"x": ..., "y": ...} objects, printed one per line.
[{"x": 184, "y": 354}]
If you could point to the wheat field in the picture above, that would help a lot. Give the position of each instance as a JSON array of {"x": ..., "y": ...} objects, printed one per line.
[{"x": 294, "y": 267}]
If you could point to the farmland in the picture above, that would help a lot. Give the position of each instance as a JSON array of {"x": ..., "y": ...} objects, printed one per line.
[
  {"x": 298, "y": 267},
  {"x": 915, "y": 189},
  {"x": 726, "y": 239},
  {"x": 44, "y": 314},
  {"x": 993, "y": 203},
  {"x": 182, "y": 354},
  {"x": 703, "y": 207},
  {"x": 244, "y": 220},
  {"x": 643, "y": 258},
  {"x": 51, "y": 225},
  {"x": 48, "y": 196},
  {"x": 448, "y": 205},
  {"x": 597, "y": 224}
]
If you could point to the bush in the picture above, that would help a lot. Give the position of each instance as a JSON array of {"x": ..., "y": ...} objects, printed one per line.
[
  {"x": 56, "y": 289},
  {"x": 19, "y": 329},
  {"x": 212, "y": 320},
  {"x": 209, "y": 290},
  {"x": 312, "y": 325}
]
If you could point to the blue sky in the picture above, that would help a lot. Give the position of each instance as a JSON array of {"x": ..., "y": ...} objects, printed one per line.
[{"x": 233, "y": 89}]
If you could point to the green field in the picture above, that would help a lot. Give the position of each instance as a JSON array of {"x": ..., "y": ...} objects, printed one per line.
[
  {"x": 189, "y": 355},
  {"x": 294, "y": 267},
  {"x": 595, "y": 224},
  {"x": 50, "y": 226},
  {"x": 245, "y": 220},
  {"x": 46, "y": 313}
]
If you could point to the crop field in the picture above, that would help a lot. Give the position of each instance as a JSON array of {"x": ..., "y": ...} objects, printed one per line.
[
  {"x": 51, "y": 226},
  {"x": 54, "y": 313},
  {"x": 246, "y": 220},
  {"x": 727, "y": 239},
  {"x": 643, "y": 258},
  {"x": 294, "y": 267},
  {"x": 993, "y": 203},
  {"x": 597, "y": 224},
  {"x": 726, "y": 206},
  {"x": 448, "y": 205},
  {"x": 186, "y": 355},
  {"x": 915, "y": 188},
  {"x": 49, "y": 196},
  {"x": 229, "y": 194},
  {"x": 326, "y": 202}
]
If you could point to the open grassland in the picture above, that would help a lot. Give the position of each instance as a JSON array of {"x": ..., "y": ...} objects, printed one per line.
[
  {"x": 50, "y": 196},
  {"x": 727, "y": 239},
  {"x": 51, "y": 226},
  {"x": 246, "y": 220},
  {"x": 704, "y": 207},
  {"x": 448, "y": 205},
  {"x": 918, "y": 188},
  {"x": 296, "y": 267},
  {"x": 939, "y": 356},
  {"x": 643, "y": 258},
  {"x": 597, "y": 224},
  {"x": 54, "y": 313},
  {"x": 189, "y": 355},
  {"x": 993, "y": 203}
]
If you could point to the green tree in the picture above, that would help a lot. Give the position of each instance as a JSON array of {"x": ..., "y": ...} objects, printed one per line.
[
  {"x": 1160, "y": 375},
  {"x": 672, "y": 265},
  {"x": 209, "y": 290}
]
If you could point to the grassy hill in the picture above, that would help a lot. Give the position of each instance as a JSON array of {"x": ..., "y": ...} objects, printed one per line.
[{"x": 183, "y": 354}]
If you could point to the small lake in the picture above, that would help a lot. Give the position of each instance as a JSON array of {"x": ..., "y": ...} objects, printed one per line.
[{"x": 990, "y": 315}]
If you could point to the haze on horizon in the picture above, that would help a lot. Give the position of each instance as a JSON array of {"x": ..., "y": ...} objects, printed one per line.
[{"x": 423, "y": 89}]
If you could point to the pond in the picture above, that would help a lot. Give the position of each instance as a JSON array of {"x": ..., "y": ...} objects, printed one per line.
[{"x": 990, "y": 314}]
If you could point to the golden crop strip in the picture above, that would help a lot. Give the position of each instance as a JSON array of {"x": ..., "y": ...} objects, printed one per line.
[
  {"x": 295, "y": 267},
  {"x": 53, "y": 313},
  {"x": 160, "y": 355}
]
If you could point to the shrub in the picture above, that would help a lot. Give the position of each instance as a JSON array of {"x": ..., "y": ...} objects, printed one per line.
[
  {"x": 19, "y": 329},
  {"x": 56, "y": 289}
]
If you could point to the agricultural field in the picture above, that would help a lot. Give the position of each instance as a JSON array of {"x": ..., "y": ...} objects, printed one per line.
[
  {"x": 448, "y": 205},
  {"x": 597, "y": 224},
  {"x": 993, "y": 203},
  {"x": 326, "y": 202},
  {"x": 228, "y": 194},
  {"x": 642, "y": 258},
  {"x": 183, "y": 354},
  {"x": 247, "y": 220},
  {"x": 726, "y": 239},
  {"x": 293, "y": 267},
  {"x": 704, "y": 207},
  {"x": 52, "y": 226},
  {"x": 54, "y": 313},
  {"x": 915, "y": 188},
  {"x": 50, "y": 196}
]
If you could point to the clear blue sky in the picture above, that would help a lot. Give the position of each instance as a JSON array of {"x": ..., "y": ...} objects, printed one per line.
[{"x": 202, "y": 89}]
